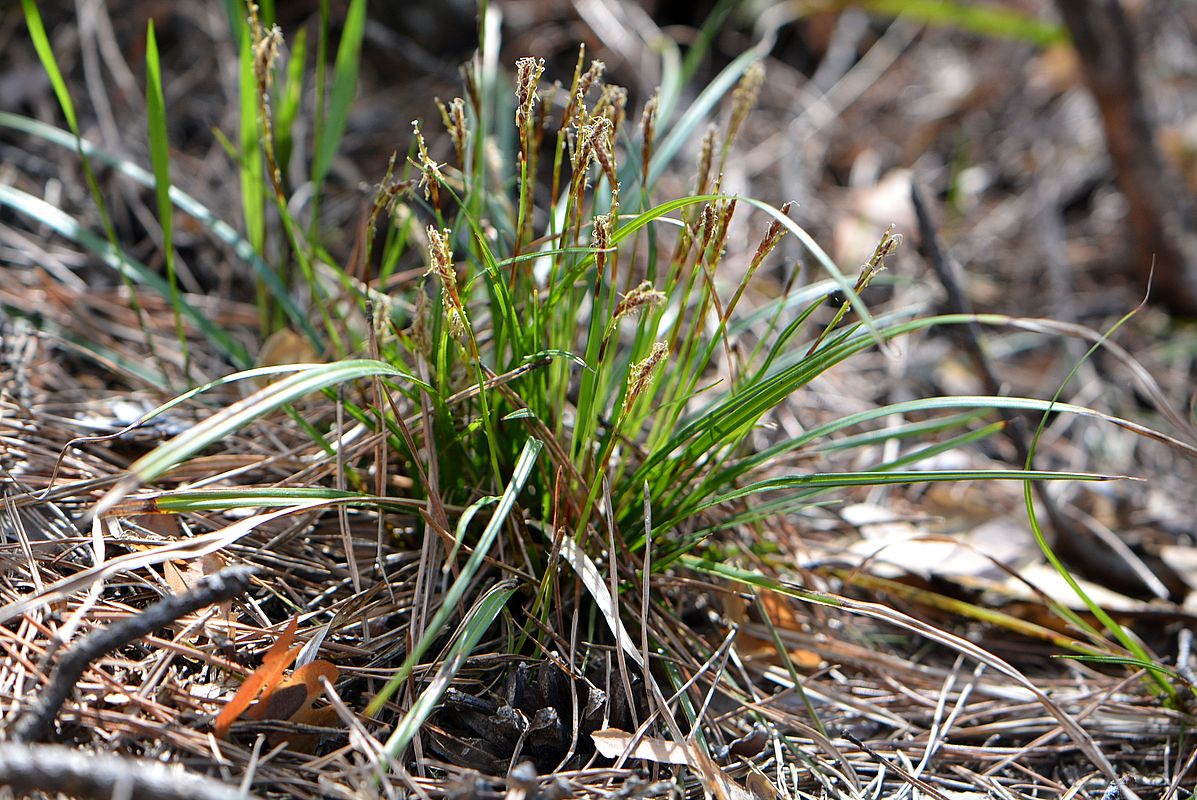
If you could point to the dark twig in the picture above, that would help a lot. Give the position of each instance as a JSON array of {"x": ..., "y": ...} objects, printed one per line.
[
  {"x": 1071, "y": 541},
  {"x": 946, "y": 269},
  {"x": 36, "y": 721},
  {"x": 30, "y": 769},
  {"x": 914, "y": 781},
  {"x": 1159, "y": 211}
]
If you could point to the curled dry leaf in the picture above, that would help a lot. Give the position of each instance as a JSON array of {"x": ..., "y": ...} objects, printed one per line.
[
  {"x": 612, "y": 743},
  {"x": 289, "y": 699},
  {"x": 292, "y": 698},
  {"x": 280, "y": 656}
]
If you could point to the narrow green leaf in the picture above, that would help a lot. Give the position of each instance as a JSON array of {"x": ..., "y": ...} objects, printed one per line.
[
  {"x": 985, "y": 19},
  {"x": 41, "y": 43},
  {"x": 839, "y": 480},
  {"x": 308, "y": 379},
  {"x": 160, "y": 161},
  {"x": 435, "y": 627},
  {"x": 289, "y": 102},
  {"x": 332, "y": 128},
  {"x": 684, "y": 130},
  {"x": 270, "y": 497},
  {"x": 471, "y": 631},
  {"x": 253, "y": 187}
]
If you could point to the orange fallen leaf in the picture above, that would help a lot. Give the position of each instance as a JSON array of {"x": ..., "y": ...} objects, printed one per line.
[
  {"x": 296, "y": 693},
  {"x": 263, "y": 679},
  {"x": 781, "y": 615},
  {"x": 292, "y": 700}
]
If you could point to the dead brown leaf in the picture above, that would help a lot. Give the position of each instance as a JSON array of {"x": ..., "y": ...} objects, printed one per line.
[{"x": 280, "y": 656}]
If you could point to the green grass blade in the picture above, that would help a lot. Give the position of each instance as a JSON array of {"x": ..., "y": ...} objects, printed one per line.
[
  {"x": 698, "y": 111},
  {"x": 253, "y": 179},
  {"x": 127, "y": 266},
  {"x": 330, "y": 130},
  {"x": 905, "y": 430},
  {"x": 839, "y": 480},
  {"x": 41, "y": 43},
  {"x": 523, "y": 470},
  {"x": 985, "y": 19},
  {"x": 1119, "y": 632},
  {"x": 707, "y": 32},
  {"x": 160, "y": 161},
  {"x": 309, "y": 378},
  {"x": 188, "y": 500},
  {"x": 289, "y": 102},
  {"x": 471, "y": 631}
]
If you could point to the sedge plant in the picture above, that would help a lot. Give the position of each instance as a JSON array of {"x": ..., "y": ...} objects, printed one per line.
[{"x": 582, "y": 367}]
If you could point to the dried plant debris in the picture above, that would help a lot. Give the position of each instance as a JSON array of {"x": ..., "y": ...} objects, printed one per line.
[
  {"x": 533, "y": 718},
  {"x": 687, "y": 616}
]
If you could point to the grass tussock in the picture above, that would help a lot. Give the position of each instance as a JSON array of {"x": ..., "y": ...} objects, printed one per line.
[{"x": 529, "y": 476}]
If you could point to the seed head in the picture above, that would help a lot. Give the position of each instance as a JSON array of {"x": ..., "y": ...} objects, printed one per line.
[
  {"x": 430, "y": 179},
  {"x": 440, "y": 264},
  {"x": 527, "y": 77},
  {"x": 744, "y": 99},
  {"x": 613, "y": 105},
  {"x": 642, "y": 296},
  {"x": 648, "y": 132},
  {"x": 602, "y": 232},
  {"x": 454, "y": 118},
  {"x": 642, "y": 374},
  {"x": 594, "y": 144}
]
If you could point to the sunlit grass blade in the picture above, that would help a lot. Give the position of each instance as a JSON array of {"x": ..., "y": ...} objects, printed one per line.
[
  {"x": 840, "y": 480},
  {"x": 308, "y": 379},
  {"x": 289, "y": 100},
  {"x": 249, "y": 374},
  {"x": 845, "y": 285},
  {"x": 984, "y": 19},
  {"x": 45, "y": 53},
  {"x": 449, "y": 601},
  {"x": 250, "y": 161},
  {"x": 160, "y": 161},
  {"x": 222, "y": 230},
  {"x": 190, "y": 500},
  {"x": 128, "y": 267},
  {"x": 331, "y": 128},
  {"x": 684, "y": 130},
  {"x": 1151, "y": 666},
  {"x": 819, "y": 439},
  {"x": 477, "y": 620},
  {"x": 900, "y": 431}
]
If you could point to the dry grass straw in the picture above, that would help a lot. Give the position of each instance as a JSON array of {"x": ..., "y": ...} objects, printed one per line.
[{"x": 831, "y": 688}]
